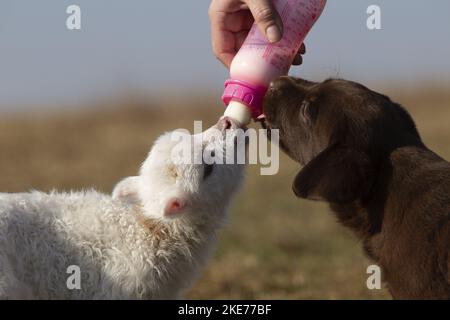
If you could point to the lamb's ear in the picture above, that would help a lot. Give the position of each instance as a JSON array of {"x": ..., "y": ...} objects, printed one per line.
[
  {"x": 174, "y": 206},
  {"x": 127, "y": 190},
  {"x": 338, "y": 175}
]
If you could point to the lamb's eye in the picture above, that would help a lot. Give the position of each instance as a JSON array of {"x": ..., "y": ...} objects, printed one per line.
[
  {"x": 173, "y": 172},
  {"x": 209, "y": 168}
]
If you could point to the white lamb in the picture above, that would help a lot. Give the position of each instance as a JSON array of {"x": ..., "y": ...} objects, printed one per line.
[{"x": 147, "y": 241}]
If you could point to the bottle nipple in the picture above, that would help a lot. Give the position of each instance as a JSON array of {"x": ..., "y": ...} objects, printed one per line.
[{"x": 239, "y": 112}]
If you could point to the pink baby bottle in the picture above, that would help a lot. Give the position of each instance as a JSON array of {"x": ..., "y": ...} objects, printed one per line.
[{"x": 258, "y": 62}]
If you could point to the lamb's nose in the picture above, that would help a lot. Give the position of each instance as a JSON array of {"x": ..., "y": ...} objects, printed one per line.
[{"x": 226, "y": 123}]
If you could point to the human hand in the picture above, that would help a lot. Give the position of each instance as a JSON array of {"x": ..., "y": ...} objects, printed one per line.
[{"x": 231, "y": 20}]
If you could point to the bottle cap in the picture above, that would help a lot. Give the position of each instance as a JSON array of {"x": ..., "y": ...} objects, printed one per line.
[{"x": 249, "y": 94}]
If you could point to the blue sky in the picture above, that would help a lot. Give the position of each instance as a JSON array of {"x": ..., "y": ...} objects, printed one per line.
[{"x": 156, "y": 47}]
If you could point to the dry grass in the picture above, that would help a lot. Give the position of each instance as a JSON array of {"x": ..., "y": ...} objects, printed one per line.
[{"x": 275, "y": 247}]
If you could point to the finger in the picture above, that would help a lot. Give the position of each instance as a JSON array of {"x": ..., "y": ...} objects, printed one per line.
[
  {"x": 223, "y": 42},
  {"x": 298, "y": 60},
  {"x": 239, "y": 39},
  {"x": 238, "y": 21},
  {"x": 226, "y": 58},
  {"x": 224, "y": 48},
  {"x": 267, "y": 19}
]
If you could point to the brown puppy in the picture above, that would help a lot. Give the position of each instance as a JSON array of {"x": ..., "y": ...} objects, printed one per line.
[{"x": 362, "y": 153}]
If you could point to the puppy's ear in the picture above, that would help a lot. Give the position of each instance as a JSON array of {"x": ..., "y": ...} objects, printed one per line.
[
  {"x": 127, "y": 190},
  {"x": 338, "y": 175}
]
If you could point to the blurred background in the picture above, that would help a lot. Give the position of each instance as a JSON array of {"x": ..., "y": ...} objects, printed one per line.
[{"x": 80, "y": 109}]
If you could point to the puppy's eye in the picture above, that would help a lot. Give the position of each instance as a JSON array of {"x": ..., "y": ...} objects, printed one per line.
[{"x": 209, "y": 168}]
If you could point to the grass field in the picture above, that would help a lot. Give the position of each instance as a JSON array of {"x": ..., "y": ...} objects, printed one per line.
[{"x": 275, "y": 246}]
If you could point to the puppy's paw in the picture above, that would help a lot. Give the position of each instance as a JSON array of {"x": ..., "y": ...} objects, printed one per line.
[{"x": 127, "y": 190}]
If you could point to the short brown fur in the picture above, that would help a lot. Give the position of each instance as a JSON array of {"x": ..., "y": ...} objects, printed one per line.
[{"x": 364, "y": 156}]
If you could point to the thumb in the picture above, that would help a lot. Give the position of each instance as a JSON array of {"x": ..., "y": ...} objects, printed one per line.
[{"x": 267, "y": 19}]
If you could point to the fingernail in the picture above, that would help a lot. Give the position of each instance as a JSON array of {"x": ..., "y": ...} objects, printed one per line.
[{"x": 273, "y": 33}]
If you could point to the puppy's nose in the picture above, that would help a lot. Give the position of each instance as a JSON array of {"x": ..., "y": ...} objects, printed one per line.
[{"x": 226, "y": 123}]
